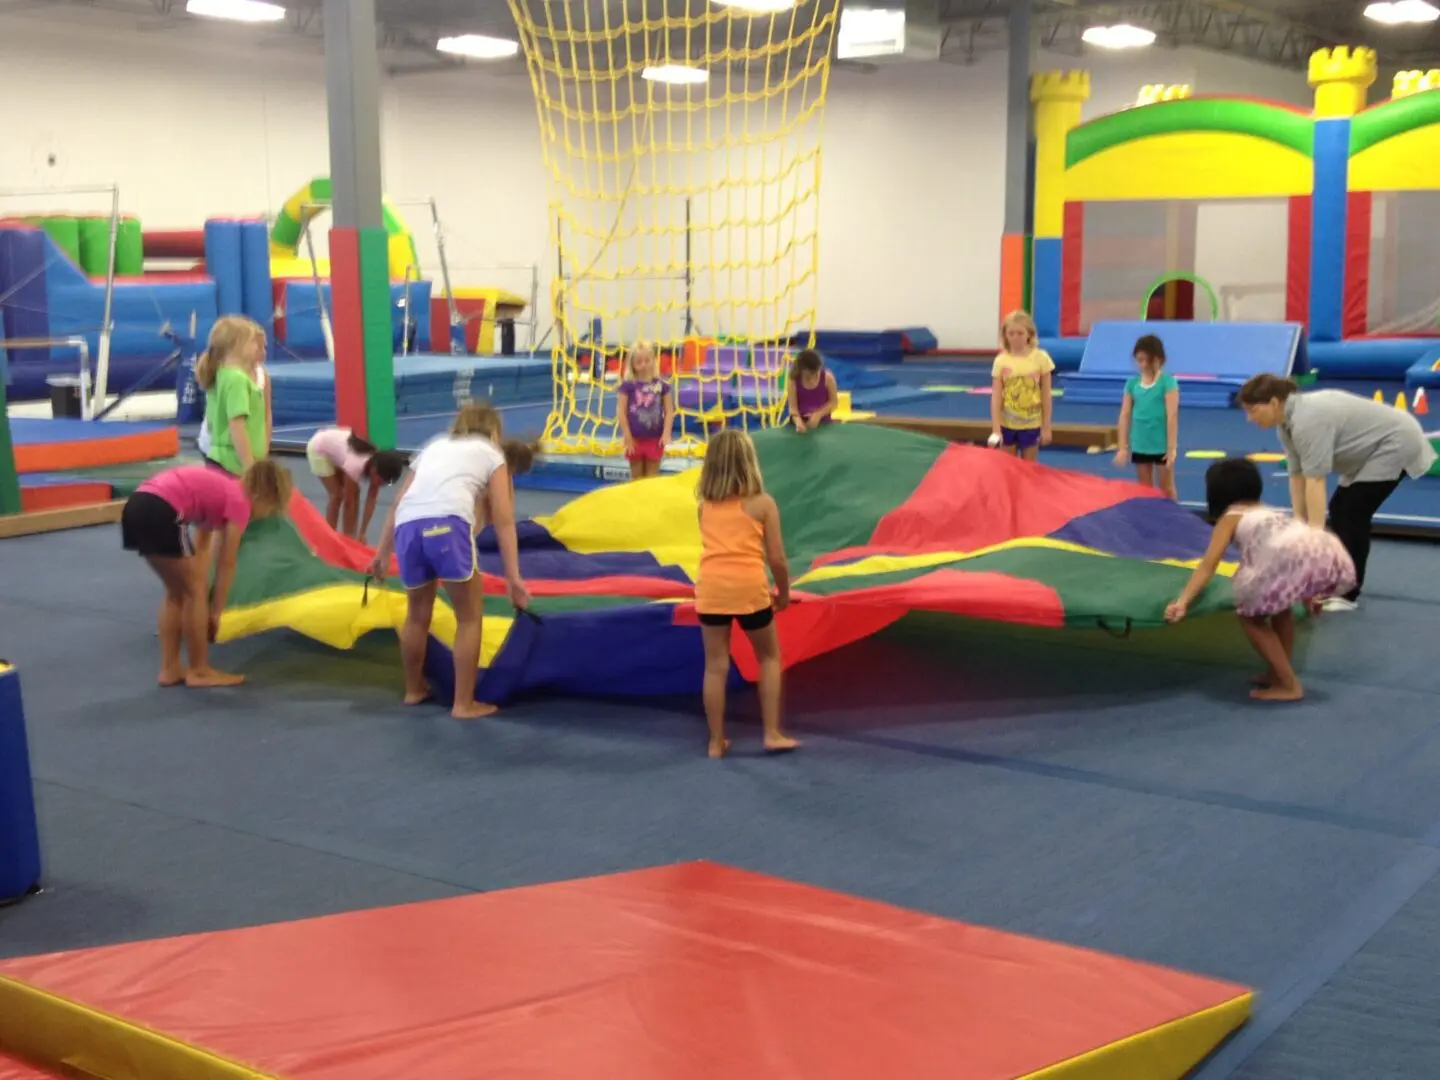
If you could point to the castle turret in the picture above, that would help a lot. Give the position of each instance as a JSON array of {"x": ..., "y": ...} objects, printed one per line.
[
  {"x": 1341, "y": 78},
  {"x": 1058, "y": 97},
  {"x": 1414, "y": 82}
]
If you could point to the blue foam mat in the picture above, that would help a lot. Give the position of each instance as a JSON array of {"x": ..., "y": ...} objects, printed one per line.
[
  {"x": 304, "y": 391},
  {"x": 35, "y": 431},
  {"x": 1211, "y": 360},
  {"x": 1424, "y": 371}
]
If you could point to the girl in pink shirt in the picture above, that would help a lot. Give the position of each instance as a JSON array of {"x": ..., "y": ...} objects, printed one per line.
[
  {"x": 342, "y": 460},
  {"x": 156, "y": 525}
]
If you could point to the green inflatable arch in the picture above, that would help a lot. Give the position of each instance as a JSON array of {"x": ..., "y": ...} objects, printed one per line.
[{"x": 1165, "y": 279}]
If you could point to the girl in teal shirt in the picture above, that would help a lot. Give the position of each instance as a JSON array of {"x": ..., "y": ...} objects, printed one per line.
[{"x": 1150, "y": 418}]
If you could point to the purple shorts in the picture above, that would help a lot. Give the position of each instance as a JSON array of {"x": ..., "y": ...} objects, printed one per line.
[
  {"x": 435, "y": 549},
  {"x": 1021, "y": 438}
]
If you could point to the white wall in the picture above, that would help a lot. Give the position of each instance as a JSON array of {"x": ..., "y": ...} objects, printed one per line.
[
  {"x": 911, "y": 193},
  {"x": 911, "y": 199},
  {"x": 191, "y": 131}
]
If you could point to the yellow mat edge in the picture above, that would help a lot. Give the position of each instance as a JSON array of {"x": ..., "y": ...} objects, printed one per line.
[
  {"x": 57, "y": 1033},
  {"x": 1168, "y": 1052}
]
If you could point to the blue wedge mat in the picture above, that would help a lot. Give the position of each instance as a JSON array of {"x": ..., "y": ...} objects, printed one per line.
[{"x": 1211, "y": 360}]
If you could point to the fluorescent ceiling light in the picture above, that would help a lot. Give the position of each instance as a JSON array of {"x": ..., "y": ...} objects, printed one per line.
[
  {"x": 758, "y": 7},
  {"x": 478, "y": 46},
  {"x": 1399, "y": 12},
  {"x": 250, "y": 11},
  {"x": 675, "y": 74},
  {"x": 1120, "y": 36},
  {"x": 870, "y": 32}
]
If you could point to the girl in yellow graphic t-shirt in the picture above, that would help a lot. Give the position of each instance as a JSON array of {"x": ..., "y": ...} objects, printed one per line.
[{"x": 1020, "y": 401}]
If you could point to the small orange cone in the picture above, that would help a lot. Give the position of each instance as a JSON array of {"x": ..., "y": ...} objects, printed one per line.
[
  {"x": 1379, "y": 397},
  {"x": 1400, "y": 402},
  {"x": 1422, "y": 403}
]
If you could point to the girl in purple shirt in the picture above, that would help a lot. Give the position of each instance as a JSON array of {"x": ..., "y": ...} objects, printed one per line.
[
  {"x": 646, "y": 413},
  {"x": 156, "y": 524},
  {"x": 813, "y": 394}
]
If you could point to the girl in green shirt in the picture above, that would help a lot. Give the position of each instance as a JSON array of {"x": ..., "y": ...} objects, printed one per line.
[{"x": 237, "y": 410}]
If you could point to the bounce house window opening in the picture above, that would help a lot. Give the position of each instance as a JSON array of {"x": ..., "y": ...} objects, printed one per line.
[
  {"x": 1222, "y": 259},
  {"x": 1403, "y": 287}
]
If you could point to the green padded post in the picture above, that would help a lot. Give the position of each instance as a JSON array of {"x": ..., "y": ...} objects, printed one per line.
[
  {"x": 1028, "y": 292},
  {"x": 379, "y": 336},
  {"x": 9, "y": 479}
]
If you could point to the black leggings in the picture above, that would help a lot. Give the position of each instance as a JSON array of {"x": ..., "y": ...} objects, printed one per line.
[{"x": 1352, "y": 509}]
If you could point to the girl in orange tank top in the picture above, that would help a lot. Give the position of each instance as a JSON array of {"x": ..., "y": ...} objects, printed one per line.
[{"x": 740, "y": 537}]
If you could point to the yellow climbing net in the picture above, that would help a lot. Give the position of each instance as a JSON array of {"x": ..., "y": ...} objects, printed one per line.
[{"x": 682, "y": 139}]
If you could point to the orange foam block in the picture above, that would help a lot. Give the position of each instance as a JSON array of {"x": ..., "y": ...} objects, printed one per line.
[
  {"x": 60, "y": 445},
  {"x": 62, "y": 496},
  {"x": 697, "y": 971}
]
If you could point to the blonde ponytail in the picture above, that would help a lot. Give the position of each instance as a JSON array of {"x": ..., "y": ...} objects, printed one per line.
[
  {"x": 229, "y": 334},
  {"x": 205, "y": 369}
]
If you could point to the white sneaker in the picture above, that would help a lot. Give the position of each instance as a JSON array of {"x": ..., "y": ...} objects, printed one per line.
[{"x": 1339, "y": 603}]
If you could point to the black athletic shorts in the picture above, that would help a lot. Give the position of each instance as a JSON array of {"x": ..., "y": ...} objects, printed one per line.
[
  {"x": 1150, "y": 459},
  {"x": 150, "y": 526},
  {"x": 756, "y": 620}
]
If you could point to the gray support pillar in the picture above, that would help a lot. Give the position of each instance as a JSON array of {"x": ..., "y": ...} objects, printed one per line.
[
  {"x": 352, "y": 88},
  {"x": 1021, "y": 58}
]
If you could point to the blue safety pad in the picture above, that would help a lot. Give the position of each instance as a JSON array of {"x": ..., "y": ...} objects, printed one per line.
[
  {"x": 304, "y": 392},
  {"x": 1425, "y": 371},
  {"x": 38, "y": 431},
  {"x": 1066, "y": 352},
  {"x": 1210, "y": 360},
  {"x": 917, "y": 339},
  {"x": 1369, "y": 358},
  {"x": 861, "y": 346}
]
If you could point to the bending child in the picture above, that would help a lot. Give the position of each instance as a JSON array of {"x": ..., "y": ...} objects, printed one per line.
[
  {"x": 342, "y": 460},
  {"x": 1283, "y": 563},
  {"x": 1021, "y": 403},
  {"x": 646, "y": 413},
  {"x": 1150, "y": 419},
  {"x": 740, "y": 536},
  {"x": 812, "y": 394},
  {"x": 156, "y": 524},
  {"x": 431, "y": 529}
]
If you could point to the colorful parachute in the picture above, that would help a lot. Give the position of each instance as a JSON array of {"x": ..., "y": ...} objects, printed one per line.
[{"x": 877, "y": 523}]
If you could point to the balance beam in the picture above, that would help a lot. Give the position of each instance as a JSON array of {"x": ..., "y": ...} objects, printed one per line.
[
  {"x": 1077, "y": 436},
  {"x": 69, "y": 517}
]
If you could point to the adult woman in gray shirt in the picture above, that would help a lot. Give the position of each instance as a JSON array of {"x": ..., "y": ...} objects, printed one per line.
[{"x": 1370, "y": 445}]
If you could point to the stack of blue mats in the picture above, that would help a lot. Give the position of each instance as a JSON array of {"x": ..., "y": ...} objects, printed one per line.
[
  {"x": 862, "y": 347},
  {"x": 915, "y": 340},
  {"x": 304, "y": 393}
]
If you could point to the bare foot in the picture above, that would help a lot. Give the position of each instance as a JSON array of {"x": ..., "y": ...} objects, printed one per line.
[
  {"x": 780, "y": 744},
  {"x": 1293, "y": 692},
  {"x": 717, "y": 749},
  {"x": 476, "y": 710},
  {"x": 417, "y": 697},
  {"x": 207, "y": 677},
  {"x": 1266, "y": 678},
  {"x": 172, "y": 678}
]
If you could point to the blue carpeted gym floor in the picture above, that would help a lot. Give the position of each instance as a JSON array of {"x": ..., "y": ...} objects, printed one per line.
[{"x": 1121, "y": 794}]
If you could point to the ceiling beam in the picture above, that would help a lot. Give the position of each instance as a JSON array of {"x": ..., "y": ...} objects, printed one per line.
[{"x": 1226, "y": 26}]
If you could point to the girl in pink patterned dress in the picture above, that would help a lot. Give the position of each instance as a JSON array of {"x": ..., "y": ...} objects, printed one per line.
[{"x": 1283, "y": 563}]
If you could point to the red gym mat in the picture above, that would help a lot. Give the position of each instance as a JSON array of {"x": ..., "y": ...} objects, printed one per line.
[{"x": 695, "y": 971}]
